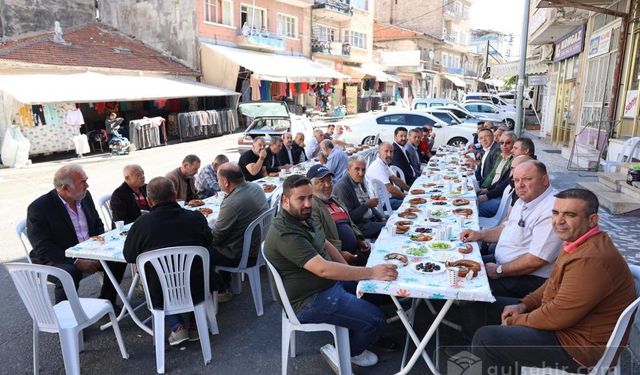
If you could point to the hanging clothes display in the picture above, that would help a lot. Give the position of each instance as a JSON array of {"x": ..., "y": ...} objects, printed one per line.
[
  {"x": 207, "y": 123},
  {"x": 74, "y": 117},
  {"x": 145, "y": 132},
  {"x": 255, "y": 89}
]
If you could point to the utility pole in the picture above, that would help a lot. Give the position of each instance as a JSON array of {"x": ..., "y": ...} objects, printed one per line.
[{"x": 524, "y": 39}]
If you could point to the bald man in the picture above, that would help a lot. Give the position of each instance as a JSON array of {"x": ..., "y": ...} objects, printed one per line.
[
  {"x": 379, "y": 170},
  {"x": 130, "y": 198}
]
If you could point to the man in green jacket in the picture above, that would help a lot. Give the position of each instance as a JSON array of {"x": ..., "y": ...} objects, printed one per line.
[{"x": 333, "y": 218}]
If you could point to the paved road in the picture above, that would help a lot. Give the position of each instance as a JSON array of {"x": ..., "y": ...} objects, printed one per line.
[{"x": 246, "y": 344}]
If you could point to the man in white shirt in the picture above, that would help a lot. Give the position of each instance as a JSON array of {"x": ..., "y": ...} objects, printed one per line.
[
  {"x": 314, "y": 146},
  {"x": 379, "y": 170},
  {"x": 526, "y": 246}
]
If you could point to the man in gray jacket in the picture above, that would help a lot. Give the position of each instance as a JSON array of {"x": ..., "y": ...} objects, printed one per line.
[{"x": 244, "y": 202}]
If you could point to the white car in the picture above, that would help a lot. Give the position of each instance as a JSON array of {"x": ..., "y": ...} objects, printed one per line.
[
  {"x": 490, "y": 98},
  {"x": 463, "y": 114},
  {"x": 382, "y": 125},
  {"x": 422, "y": 104},
  {"x": 450, "y": 118},
  {"x": 271, "y": 119},
  {"x": 491, "y": 111}
]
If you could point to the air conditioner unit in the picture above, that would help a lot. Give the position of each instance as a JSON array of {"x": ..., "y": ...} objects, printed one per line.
[{"x": 546, "y": 53}]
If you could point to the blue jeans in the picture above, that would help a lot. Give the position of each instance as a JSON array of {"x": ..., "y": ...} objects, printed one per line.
[
  {"x": 489, "y": 208},
  {"x": 395, "y": 203},
  {"x": 174, "y": 321},
  {"x": 338, "y": 305}
]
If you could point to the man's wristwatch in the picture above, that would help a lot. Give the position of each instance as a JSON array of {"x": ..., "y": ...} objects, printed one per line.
[{"x": 499, "y": 270}]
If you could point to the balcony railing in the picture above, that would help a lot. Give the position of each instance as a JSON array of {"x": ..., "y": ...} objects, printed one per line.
[
  {"x": 262, "y": 37},
  {"x": 336, "y": 5},
  {"x": 450, "y": 37},
  {"x": 331, "y": 48}
]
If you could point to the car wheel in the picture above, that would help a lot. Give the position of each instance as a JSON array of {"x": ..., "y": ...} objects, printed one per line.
[
  {"x": 370, "y": 140},
  {"x": 457, "y": 142},
  {"x": 510, "y": 123}
]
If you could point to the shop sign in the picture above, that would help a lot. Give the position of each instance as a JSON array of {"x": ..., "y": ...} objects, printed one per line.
[
  {"x": 599, "y": 43},
  {"x": 570, "y": 45},
  {"x": 537, "y": 80},
  {"x": 631, "y": 104},
  {"x": 351, "y": 98}
]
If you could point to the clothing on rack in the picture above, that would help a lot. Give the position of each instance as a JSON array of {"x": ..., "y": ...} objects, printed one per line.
[
  {"x": 207, "y": 123},
  {"x": 145, "y": 132},
  {"x": 74, "y": 117}
]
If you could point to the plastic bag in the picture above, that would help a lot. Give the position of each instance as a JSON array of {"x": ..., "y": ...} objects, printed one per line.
[{"x": 15, "y": 148}]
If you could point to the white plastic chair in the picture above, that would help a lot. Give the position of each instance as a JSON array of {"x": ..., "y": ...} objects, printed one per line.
[
  {"x": 628, "y": 150},
  {"x": 291, "y": 324},
  {"x": 67, "y": 318},
  {"x": 505, "y": 204},
  {"x": 105, "y": 208},
  {"x": 275, "y": 200},
  {"x": 264, "y": 222},
  {"x": 606, "y": 361},
  {"x": 397, "y": 172},
  {"x": 21, "y": 232},
  {"x": 173, "y": 266},
  {"x": 378, "y": 190}
]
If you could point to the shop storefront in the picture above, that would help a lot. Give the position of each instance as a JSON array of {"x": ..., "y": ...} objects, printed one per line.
[
  {"x": 630, "y": 112},
  {"x": 156, "y": 110},
  {"x": 565, "y": 71}
]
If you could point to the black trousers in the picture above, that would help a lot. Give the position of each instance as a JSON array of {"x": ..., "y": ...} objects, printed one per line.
[
  {"x": 371, "y": 229},
  {"x": 513, "y": 286},
  {"x": 108, "y": 291}
]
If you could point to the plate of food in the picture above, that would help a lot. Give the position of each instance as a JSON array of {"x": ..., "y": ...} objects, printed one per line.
[
  {"x": 206, "y": 211},
  {"x": 97, "y": 239},
  {"x": 439, "y": 213},
  {"x": 465, "y": 248},
  {"x": 268, "y": 188},
  {"x": 417, "y": 191},
  {"x": 440, "y": 245},
  {"x": 421, "y": 251},
  {"x": 445, "y": 256},
  {"x": 438, "y": 197},
  {"x": 417, "y": 200},
  {"x": 412, "y": 209},
  {"x": 467, "y": 268},
  {"x": 400, "y": 260},
  {"x": 408, "y": 215},
  {"x": 420, "y": 237},
  {"x": 464, "y": 212},
  {"x": 423, "y": 230},
  {"x": 428, "y": 268},
  {"x": 439, "y": 203},
  {"x": 402, "y": 229},
  {"x": 460, "y": 202},
  {"x": 195, "y": 203},
  {"x": 429, "y": 184},
  {"x": 274, "y": 174}
]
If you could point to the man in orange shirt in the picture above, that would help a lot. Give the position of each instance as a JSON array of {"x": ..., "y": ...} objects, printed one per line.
[{"x": 565, "y": 323}]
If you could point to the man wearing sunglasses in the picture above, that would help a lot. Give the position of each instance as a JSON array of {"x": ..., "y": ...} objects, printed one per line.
[{"x": 498, "y": 178}]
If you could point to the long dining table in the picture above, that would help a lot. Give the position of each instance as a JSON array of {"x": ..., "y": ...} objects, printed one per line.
[
  {"x": 109, "y": 246},
  {"x": 421, "y": 239}
]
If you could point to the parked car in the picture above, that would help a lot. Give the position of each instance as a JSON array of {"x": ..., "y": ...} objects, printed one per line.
[
  {"x": 491, "y": 111},
  {"x": 463, "y": 114},
  {"x": 382, "y": 125},
  {"x": 449, "y": 117},
  {"x": 419, "y": 104},
  {"x": 510, "y": 97},
  {"x": 490, "y": 98},
  {"x": 271, "y": 119}
]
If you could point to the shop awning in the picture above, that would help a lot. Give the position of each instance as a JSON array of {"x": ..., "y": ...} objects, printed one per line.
[
  {"x": 265, "y": 66},
  {"x": 365, "y": 72},
  {"x": 91, "y": 87},
  {"x": 456, "y": 80},
  {"x": 493, "y": 82}
]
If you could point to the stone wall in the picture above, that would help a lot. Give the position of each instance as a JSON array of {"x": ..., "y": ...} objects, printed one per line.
[
  {"x": 166, "y": 25},
  {"x": 19, "y": 17}
]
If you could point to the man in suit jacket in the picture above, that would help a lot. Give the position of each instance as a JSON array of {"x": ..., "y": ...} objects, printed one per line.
[
  {"x": 244, "y": 202},
  {"x": 183, "y": 178},
  {"x": 400, "y": 158},
  {"x": 490, "y": 153},
  {"x": 169, "y": 225},
  {"x": 285, "y": 156},
  {"x": 62, "y": 218},
  {"x": 130, "y": 197},
  {"x": 351, "y": 191},
  {"x": 298, "y": 149}
]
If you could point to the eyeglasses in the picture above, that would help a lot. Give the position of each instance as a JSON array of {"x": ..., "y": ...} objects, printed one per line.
[{"x": 505, "y": 143}]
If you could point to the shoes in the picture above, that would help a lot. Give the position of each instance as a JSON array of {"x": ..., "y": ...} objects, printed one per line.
[
  {"x": 225, "y": 296},
  {"x": 193, "y": 334},
  {"x": 178, "y": 336},
  {"x": 365, "y": 359}
]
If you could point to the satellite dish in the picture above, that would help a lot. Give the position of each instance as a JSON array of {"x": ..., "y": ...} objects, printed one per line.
[{"x": 431, "y": 54}]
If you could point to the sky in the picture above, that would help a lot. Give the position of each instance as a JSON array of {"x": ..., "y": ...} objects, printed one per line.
[{"x": 499, "y": 15}]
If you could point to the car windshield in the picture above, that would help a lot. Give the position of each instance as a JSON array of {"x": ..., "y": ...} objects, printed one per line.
[
  {"x": 420, "y": 106},
  {"x": 444, "y": 117},
  {"x": 270, "y": 125},
  {"x": 264, "y": 109}
]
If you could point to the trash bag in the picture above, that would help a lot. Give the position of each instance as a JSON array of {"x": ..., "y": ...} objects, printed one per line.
[{"x": 15, "y": 148}]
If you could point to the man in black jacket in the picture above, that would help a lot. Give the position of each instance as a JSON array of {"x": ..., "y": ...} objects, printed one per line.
[
  {"x": 285, "y": 156},
  {"x": 351, "y": 190},
  {"x": 298, "y": 149},
  {"x": 489, "y": 154},
  {"x": 130, "y": 198},
  {"x": 62, "y": 218},
  {"x": 400, "y": 158},
  {"x": 169, "y": 225}
]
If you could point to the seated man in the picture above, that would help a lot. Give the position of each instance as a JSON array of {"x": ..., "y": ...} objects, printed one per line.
[
  {"x": 485, "y": 159},
  {"x": 332, "y": 216},
  {"x": 298, "y": 149},
  {"x": 183, "y": 178},
  {"x": 130, "y": 198},
  {"x": 526, "y": 244},
  {"x": 314, "y": 146},
  {"x": 333, "y": 158},
  {"x": 169, "y": 225},
  {"x": 400, "y": 158},
  {"x": 62, "y": 218},
  {"x": 285, "y": 156},
  {"x": 251, "y": 162},
  {"x": 493, "y": 185},
  {"x": 243, "y": 203},
  {"x": 207, "y": 180},
  {"x": 426, "y": 143},
  {"x": 379, "y": 170},
  {"x": 338, "y": 137},
  {"x": 524, "y": 146},
  {"x": 566, "y": 322},
  {"x": 351, "y": 190},
  {"x": 411, "y": 148},
  {"x": 330, "y": 132},
  {"x": 271, "y": 162},
  {"x": 315, "y": 273}
]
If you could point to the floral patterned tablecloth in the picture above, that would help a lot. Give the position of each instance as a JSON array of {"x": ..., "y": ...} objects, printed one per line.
[{"x": 411, "y": 283}]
